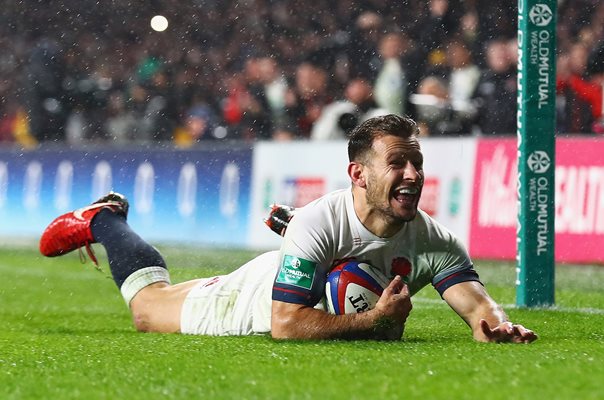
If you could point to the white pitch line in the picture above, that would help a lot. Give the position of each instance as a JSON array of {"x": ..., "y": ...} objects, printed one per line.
[{"x": 578, "y": 310}]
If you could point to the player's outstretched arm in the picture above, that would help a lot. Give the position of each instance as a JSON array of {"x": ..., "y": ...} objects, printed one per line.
[
  {"x": 486, "y": 318},
  {"x": 384, "y": 322}
]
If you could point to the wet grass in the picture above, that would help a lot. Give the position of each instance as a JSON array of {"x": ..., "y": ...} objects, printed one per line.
[{"x": 66, "y": 333}]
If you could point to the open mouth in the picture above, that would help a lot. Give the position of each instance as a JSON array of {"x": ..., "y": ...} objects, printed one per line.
[{"x": 406, "y": 194}]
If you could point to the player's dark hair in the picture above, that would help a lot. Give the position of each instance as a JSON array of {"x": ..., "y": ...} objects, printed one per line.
[{"x": 362, "y": 137}]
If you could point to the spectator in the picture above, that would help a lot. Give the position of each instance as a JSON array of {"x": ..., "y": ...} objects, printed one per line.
[
  {"x": 595, "y": 70},
  {"x": 305, "y": 102},
  {"x": 362, "y": 55},
  {"x": 46, "y": 100},
  {"x": 496, "y": 20},
  {"x": 439, "y": 21},
  {"x": 340, "y": 117},
  {"x": 391, "y": 83},
  {"x": 232, "y": 105},
  {"x": 275, "y": 88},
  {"x": 7, "y": 122},
  {"x": 200, "y": 125},
  {"x": 436, "y": 115},
  {"x": 468, "y": 31},
  {"x": 463, "y": 78},
  {"x": 261, "y": 99},
  {"x": 14, "y": 127},
  {"x": 496, "y": 91},
  {"x": 87, "y": 84},
  {"x": 580, "y": 81},
  {"x": 120, "y": 124},
  {"x": 161, "y": 111}
]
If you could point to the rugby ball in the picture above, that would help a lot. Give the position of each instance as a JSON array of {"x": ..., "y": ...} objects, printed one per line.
[{"x": 353, "y": 287}]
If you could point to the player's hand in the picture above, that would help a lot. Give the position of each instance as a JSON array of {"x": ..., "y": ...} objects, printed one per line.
[
  {"x": 392, "y": 310},
  {"x": 507, "y": 332},
  {"x": 279, "y": 217}
]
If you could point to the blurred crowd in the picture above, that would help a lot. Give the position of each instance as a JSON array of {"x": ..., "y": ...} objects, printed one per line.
[{"x": 81, "y": 71}]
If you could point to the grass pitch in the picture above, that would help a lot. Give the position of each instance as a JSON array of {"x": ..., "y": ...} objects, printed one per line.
[{"x": 65, "y": 333}]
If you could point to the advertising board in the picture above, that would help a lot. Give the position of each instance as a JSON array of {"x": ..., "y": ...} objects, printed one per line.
[
  {"x": 579, "y": 200},
  {"x": 199, "y": 196}
]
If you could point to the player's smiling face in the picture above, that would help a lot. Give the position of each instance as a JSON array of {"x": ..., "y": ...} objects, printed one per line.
[{"x": 395, "y": 177}]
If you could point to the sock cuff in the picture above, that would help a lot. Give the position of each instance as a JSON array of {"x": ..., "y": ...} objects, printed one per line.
[{"x": 142, "y": 278}]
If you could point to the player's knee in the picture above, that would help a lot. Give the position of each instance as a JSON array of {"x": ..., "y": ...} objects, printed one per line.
[
  {"x": 141, "y": 320},
  {"x": 144, "y": 310},
  {"x": 153, "y": 311}
]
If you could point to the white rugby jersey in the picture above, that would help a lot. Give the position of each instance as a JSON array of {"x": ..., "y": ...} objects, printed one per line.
[{"x": 328, "y": 230}]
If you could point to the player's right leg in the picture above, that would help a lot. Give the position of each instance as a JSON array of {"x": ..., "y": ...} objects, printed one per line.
[{"x": 279, "y": 217}]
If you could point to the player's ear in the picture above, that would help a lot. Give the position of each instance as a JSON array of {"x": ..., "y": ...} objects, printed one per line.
[{"x": 356, "y": 172}]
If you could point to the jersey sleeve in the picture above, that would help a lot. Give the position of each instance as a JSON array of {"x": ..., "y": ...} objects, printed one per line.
[
  {"x": 299, "y": 281},
  {"x": 448, "y": 258},
  {"x": 304, "y": 258},
  {"x": 454, "y": 278},
  {"x": 455, "y": 267}
]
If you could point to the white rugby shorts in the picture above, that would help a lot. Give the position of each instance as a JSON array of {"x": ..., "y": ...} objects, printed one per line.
[{"x": 235, "y": 304}]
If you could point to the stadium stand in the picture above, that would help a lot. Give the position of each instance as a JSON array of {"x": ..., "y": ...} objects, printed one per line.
[{"x": 76, "y": 71}]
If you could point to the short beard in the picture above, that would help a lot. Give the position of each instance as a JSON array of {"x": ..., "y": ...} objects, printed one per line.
[{"x": 385, "y": 210}]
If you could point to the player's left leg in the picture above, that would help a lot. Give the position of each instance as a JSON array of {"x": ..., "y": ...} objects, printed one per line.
[
  {"x": 138, "y": 269},
  {"x": 157, "y": 307},
  {"x": 141, "y": 274}
]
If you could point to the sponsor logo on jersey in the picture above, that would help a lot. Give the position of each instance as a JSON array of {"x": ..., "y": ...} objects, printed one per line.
[{"x": 296, "y": 271}]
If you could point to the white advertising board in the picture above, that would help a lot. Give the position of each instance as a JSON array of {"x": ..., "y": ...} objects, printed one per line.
[
  {"x": 298, "y": 172},
  {"x": 449, "y": 176},
  {"x": 293, "y": 173}
]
